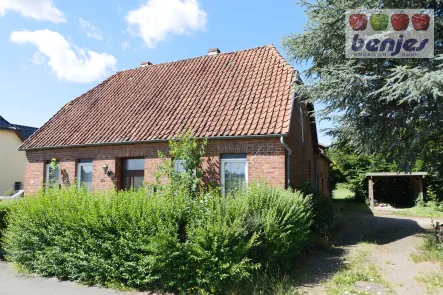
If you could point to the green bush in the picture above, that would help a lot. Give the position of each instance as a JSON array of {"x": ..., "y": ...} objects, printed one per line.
[
  {"x": 5, "y": 208},
  {"x": 158, "y": 239},
  {"x": 324, "y": 218}
]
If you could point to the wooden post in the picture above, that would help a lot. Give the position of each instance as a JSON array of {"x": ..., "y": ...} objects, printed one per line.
[
  {"x": 420, "y": 188},
  {"x": 371, "y": 192}
]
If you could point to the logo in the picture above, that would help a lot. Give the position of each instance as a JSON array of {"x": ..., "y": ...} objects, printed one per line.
[{"x": 390, "y": 33}]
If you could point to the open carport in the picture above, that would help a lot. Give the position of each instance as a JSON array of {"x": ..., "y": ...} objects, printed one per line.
[{"x": 415, "y": 180}]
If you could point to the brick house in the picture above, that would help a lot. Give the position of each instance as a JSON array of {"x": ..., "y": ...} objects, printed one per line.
[{"x": 243, "y": 102}]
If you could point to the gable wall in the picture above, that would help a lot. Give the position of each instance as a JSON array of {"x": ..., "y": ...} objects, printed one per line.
[{"x": 305, "y": 162}]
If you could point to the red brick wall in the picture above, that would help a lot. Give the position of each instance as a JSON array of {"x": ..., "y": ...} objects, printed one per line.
[
  {"x": 266, "y": 161},
  {"x": 34, "y": 175},
  {"x": 323, "y": 176},
  {"x": 303, "y": 155}
]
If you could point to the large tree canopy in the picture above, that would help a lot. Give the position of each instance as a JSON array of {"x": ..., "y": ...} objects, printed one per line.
[{"x": 392, "y": 107}]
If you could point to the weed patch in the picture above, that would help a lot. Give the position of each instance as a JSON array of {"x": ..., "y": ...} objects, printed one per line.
[
  {"x": 356, "y": 270},
  {"x": 432, "y": 281},
  {"x": 431, "y": 250}
]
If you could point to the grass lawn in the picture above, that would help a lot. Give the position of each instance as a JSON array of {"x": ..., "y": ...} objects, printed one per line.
[
  {"x": 342, "y": 192},
  {"x": 420, "y": 211},
  {"x": 344, "y": 201}
]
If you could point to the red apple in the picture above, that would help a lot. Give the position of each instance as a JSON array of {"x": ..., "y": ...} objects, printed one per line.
[
  {"x": 421, "y": 21},
  {"x": 358, "y": 22},
  {"x": 400, "y": 21}
]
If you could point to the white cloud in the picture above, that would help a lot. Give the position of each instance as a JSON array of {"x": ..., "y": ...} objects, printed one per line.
[
  {"x": 157, "y": 19},
  {"x": 125, "y": 45},
  {"x": 67, "y": 61},
  {"x": 90, "y": 30},
  {"x": 38, "y": 58},
  {"x": 37, "y": 9}
]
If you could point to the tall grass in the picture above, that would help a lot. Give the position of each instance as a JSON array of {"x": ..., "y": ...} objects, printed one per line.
[{"x": 162, "y": 240}]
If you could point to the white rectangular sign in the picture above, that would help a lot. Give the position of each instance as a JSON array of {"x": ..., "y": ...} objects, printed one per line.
[{"x": 390, "y": 33}]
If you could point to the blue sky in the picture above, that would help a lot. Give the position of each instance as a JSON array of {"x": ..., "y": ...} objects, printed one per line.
[{"x": 54, "y": 50}]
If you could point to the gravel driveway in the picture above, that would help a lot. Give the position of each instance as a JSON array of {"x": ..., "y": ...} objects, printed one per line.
[{"x": 395, "y": 238}]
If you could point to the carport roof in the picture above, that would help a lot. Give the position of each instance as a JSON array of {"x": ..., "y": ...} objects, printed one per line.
[{"x": 396, "y": 174}]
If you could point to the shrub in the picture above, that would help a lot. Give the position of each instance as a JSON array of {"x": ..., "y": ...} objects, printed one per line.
[
  {"x": 5, "y": 208},
  {"x": 323, "y": 215},
  {"x": 160, "y": 239},
  {"x": 283, "y": 220}
]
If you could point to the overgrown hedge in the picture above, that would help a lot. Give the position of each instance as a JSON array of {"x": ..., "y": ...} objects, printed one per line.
[
  {"x": 161, "y": 240},
  {"x": 5, "y": 208},
  {"x": 324, "y": 219}
]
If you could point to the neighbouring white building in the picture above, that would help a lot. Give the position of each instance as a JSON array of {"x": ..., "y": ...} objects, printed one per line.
[{"x": 12, "y": 161}]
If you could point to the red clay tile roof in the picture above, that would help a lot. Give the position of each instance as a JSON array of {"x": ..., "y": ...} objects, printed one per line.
[{"x": 230, "y": 94}]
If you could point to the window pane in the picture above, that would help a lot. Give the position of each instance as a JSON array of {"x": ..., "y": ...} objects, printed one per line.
[
  {"x": 126, "y": 183},
  {"x": 234, "y": 176},
  {"x": 134, "y": 164},
  {"x": 86, "y": 176},
  {"x": 52, "y": 175},
  {"x": 138, "y": 181},
  {"x": 179, "y": 166}
]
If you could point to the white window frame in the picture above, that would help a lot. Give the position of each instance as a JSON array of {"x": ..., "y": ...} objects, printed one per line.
[
  {"x": 79, "y": 165},
  {"x": 182, "y": 162},
  {"x": 302, "y": 124},
  {"x": 222, "y": 170},
  {"x": 48, "y": 165}
]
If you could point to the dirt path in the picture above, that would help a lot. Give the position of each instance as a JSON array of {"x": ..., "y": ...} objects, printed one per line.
[{"x": 395, "y": 238}]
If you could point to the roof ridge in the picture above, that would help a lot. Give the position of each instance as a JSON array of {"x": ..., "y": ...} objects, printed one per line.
[
  {"x": 24, "y": 126},
  {"x": 202, "y": 57}
]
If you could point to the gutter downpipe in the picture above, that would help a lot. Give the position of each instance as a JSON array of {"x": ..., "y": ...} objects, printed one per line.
[{"x": 288, "y": 161}]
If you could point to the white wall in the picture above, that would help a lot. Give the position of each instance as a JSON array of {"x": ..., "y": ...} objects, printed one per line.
[{"x": 12, "y": 162}]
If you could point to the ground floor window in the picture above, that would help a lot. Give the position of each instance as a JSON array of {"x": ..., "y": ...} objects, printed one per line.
[
  {"x": 234, "y": 172},
  {"x": 52, "y": 174},
  {"x": 179, "y": 166},
  {"x": 133, "y": 173},
  {"x": 84, "y": 174}
]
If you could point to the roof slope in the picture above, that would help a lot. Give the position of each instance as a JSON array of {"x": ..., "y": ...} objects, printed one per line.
[
  {"x": 23, "y": 131},
  {"x": 230, "y": 94},
  {"x": 4, "y": 124}
]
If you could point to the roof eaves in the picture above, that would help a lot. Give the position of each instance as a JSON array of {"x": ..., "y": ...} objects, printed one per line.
[{"x": 22, "y": 148}]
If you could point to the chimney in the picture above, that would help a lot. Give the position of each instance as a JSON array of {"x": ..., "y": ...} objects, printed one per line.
[
  {"x": 214, "y": 51},
  {"x": 145, "y": 64}
]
